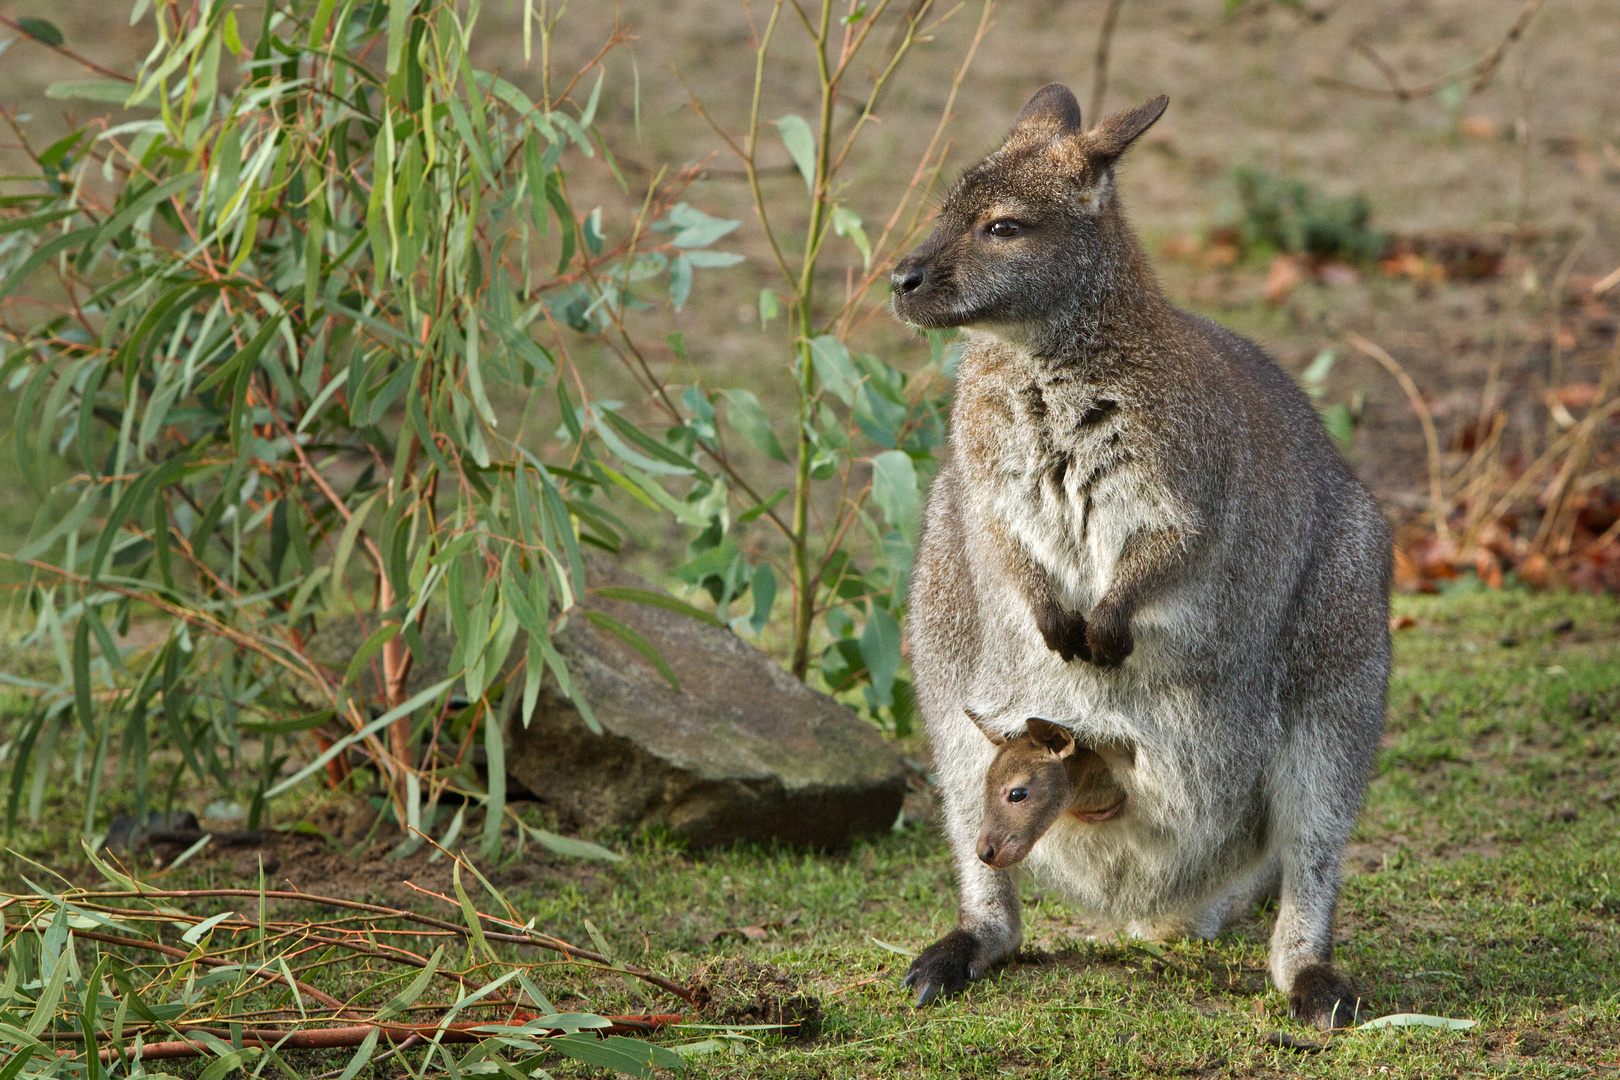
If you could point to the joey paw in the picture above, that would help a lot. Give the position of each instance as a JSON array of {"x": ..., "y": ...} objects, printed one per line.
[
  {"x": 943, "y": 969},
  {"x": 1109, "y": 641},
  {"x": 1324, "y": 998}
]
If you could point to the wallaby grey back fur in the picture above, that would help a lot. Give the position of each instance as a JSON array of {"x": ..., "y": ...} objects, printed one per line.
[{"x": 1142, "y": 531}]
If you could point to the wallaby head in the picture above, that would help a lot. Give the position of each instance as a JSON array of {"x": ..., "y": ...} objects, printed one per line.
[
  {"x": 1034, "y": 779},
  {"x": 1029, "y": 229}
]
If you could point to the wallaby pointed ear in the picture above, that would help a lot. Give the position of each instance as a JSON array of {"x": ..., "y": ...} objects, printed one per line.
[
  {"x": 984, "y": 725},
  {"x": 1053, "y": 109},
  {"x": 1054, "y": 737},
  {"x": 1111, "y": 137}
]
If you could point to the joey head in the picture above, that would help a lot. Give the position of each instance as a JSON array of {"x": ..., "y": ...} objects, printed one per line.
[
  {"x": 1139, "y": 526},
  {"x": 1036, "y": 778}
]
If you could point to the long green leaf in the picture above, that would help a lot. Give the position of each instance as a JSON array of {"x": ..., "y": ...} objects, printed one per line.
[
  {"x": 44, "y": 253},
  {"x": 361, "y": 1056},
  {"x": 620, "y": 1054},
  {"x": 126, "y": 215},
  {"x": 342, "y": 745},
  {"x": 834, "y": 367},
  {"x": 801, "y": 147},
  {"x": 572, "y": 847},
  {"x": 748, "y": 417},
  {"x": 656, "y": 599},
  {"x": 632, "y": 638},
  {"x": 45, "y": 1007},
  {"x": 469, "y": 914},
  {"x": 407, "y": 997},
  {"x": 495, "y": 805}
]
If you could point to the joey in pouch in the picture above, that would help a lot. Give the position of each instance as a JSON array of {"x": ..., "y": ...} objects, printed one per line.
[
  {"x": 1034, "y": 779},
  {"x": 1142, "y": 529}
]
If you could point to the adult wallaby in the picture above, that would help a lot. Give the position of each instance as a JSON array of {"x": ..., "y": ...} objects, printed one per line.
[{"x": 1141, "y": 525}]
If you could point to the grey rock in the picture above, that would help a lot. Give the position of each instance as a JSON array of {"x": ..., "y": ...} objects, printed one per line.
[
  {"x": 743, "y": 751},
  {"x": 340, "y": 637},
  {"x": 127, "y": 832}
]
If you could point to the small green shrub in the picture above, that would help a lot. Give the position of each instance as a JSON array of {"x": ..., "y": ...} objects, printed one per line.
[
  {"x": 1289, "y": 215},
  {"x": 258, "y": 326}
]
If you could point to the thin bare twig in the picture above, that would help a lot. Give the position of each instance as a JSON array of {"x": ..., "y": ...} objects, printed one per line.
[
  {"x": 6, "y": 20},
  {"x": 1099, "y": 65},
  {"x": 1480, "y": 71},
  {"x": 1437, "y": 501}
]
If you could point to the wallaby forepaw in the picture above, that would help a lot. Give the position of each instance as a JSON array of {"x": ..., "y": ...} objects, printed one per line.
[
  {"x": 943, "y": 969},
  {"x": 1109, "y": 643},
  {"x": 1064, "y": 633},
  {"x": 1324, "y": 998}
]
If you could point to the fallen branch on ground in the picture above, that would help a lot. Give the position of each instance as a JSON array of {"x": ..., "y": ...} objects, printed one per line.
[{"x": 129, "y": 973}]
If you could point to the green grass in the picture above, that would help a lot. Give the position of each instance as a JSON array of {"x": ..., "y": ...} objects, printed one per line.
[
  {"x": 1484, "y": 883},
  {"x": 1471, "y": 894}
]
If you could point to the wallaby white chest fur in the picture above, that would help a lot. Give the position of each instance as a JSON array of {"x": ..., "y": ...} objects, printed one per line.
[
  {"x": 1055, "y": 465},
  {"x": 1141, "y": 533}
]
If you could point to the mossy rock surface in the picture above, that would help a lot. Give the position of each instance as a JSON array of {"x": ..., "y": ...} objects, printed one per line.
[{"x": 742, "y": 751}]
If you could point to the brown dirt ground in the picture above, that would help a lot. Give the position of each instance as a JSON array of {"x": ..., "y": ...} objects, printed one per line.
[{"x": 1539, "y": 146}]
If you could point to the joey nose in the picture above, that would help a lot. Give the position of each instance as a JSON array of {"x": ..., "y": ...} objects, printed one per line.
[
  {"x": 907, "y": 279},
  {"x": 987, "y": 853}
]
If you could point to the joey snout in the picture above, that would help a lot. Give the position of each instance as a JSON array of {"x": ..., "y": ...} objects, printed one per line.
[{"x": 1001, "y": 850}]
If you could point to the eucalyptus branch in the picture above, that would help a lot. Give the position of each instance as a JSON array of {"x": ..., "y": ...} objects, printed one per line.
[
  {"x": 745, "y": 154},
  {"x": 928, "y": 166},
  {"x": 1099, "y": 63}
]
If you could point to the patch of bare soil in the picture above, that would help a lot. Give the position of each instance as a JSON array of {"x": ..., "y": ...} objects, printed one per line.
[
  {"x": 734, "y": 991},
  {"x": 343, "y": 852}
]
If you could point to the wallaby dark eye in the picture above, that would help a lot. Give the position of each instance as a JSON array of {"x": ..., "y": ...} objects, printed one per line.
[
  {"x": 1017, "y": 794},
  {"x": 1004, "y": 228}
]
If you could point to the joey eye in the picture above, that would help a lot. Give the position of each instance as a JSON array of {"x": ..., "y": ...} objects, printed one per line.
[
  {"x": 1017, "y": 794},
  {"x": 1004, "y": 228}
]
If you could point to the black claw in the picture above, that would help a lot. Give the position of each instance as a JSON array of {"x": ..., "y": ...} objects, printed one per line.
[
  {"x": 942, "y": 969},
  {"x": 927, "y": 992}
]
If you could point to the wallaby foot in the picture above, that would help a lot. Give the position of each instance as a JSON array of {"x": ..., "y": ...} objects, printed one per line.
[
  {"x": 944, "y": 968},
  {"x": 1064, "y": 632},
  {"x": 1321, "y": 996}
]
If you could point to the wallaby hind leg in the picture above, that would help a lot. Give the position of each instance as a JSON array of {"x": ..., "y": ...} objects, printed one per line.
[
  {"x": 1312, "y": 819},
  {"x": 1259, "y": 885},
  {"x": 988, "y": 928},
  {"x": 1302, "y": 942}
]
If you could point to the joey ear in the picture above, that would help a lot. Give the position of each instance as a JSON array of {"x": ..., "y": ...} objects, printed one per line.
[
  {"x": 1053, "y": 109},
  {"x": 1110, "y": 138},
  {"x": 1054, "y": 737},
  {"x": 995, "y": 737}
]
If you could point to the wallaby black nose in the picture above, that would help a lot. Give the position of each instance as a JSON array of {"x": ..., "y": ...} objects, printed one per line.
[
  {"x": 906, "y": 279},
  {"x": 987, "y": 854}
]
